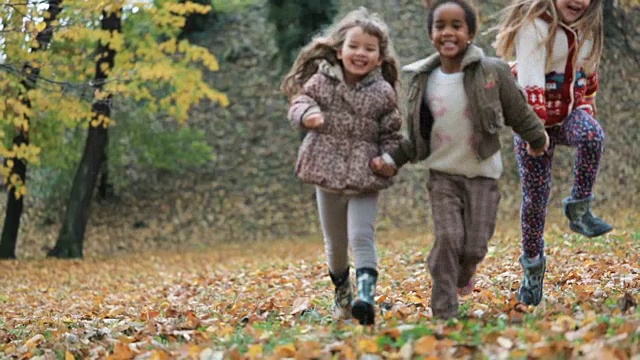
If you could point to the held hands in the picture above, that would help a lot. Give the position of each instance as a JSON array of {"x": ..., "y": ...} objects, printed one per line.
[
  {"x": 541, "y": 151},
  {"x": 313, "y": 121},
  {"x": 382, "y": 168}
]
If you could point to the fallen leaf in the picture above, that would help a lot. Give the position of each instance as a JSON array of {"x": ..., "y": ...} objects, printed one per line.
[
  {"x": 425, "y": 345},
  {"x": 367, "y": 346},
  {"x": 300, "y": 305}
]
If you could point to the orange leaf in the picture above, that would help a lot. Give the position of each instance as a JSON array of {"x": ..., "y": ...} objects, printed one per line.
[
  {"x": 149, "y": 315},
  {"x": 425, "y": 345},
  {"x": 122, "y": 352},
  {"x": 287, "y": 350},
  {"x": 160, "y": 355},
  {"x": 393, "y": 333}
]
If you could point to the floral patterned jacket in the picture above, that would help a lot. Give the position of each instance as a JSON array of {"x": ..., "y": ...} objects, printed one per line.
[{"x": 360, "y": 123}]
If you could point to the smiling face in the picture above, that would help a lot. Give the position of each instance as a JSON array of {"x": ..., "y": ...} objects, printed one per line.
[
  {"x": 360, "y": 54},
  {"x": 571, "y": 10},
  {"x": 450, "y": 33}
]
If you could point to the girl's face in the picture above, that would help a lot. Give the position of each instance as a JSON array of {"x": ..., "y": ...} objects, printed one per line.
[
  {"x": 571, "y": 10},
  {"x": 360, "y": 54},
  {"x": 450, "y": 32}
]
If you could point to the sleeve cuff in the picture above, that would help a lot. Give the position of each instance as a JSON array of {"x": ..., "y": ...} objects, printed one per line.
[
  {"x": 388, "y": 159},
  {"x": 310, "y": 111}
]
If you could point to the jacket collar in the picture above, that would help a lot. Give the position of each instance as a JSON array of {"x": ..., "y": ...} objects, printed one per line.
[
  {"x": 335, "y": 71},
  {"x": 472, "y": 55}
]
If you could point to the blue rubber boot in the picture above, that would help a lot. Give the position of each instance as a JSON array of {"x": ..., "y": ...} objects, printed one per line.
[
  {"x": 531, "y": 290},
  {"x": 581, "y": 220}
]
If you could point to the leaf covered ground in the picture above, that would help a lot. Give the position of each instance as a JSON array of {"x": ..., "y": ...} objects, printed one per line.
[{"x": 273, "y": 300}]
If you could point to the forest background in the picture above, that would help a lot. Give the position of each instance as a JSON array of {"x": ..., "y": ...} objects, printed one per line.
[{"x": 225, "y": 174}]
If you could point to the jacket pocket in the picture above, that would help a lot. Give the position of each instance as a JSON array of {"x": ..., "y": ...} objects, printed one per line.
[{"x": 492, "y": 119}]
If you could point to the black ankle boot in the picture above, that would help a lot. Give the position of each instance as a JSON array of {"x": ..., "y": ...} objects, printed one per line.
[
  {"x": 363, "y": 307},
  {"x": 343, "y": 296},
  {"x": 581, "y": 220}
]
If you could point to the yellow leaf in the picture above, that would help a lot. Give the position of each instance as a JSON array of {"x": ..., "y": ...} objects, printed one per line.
[
  {"x": 34, "y": 341},
  {"x": 255, "y": 351},
  {"x": 40, "y": 26},
  {"x": 68, "y": 356},
  {"x": 367, "y": 346}
]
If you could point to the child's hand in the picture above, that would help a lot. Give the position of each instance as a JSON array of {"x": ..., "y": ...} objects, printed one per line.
[
  {"x": 313, "y": 121},
  {"x": 382, "y": 168},
  {"x": 541, "y": 151}
]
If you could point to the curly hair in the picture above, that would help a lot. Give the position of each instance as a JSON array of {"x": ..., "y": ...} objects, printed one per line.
[
  {"x": 470, "y": 14},
  {"x": 326, "y": 46}
]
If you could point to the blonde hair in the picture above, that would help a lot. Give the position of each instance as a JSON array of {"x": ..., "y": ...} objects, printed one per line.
[
  {"x": 589, "y": 26},
  {"x": 326, "y": 46}
]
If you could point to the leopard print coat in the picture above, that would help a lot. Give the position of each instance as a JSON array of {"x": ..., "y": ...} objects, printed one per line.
[{"x": 361, "y": 122}]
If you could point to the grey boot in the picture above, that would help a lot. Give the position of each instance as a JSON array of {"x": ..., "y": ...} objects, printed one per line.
[
  {"x": 530, "y": 291},
  {"x": 363, "y": 307},
  {"x": 343, "y": 296},
  {"x": 581, "y": 220}
]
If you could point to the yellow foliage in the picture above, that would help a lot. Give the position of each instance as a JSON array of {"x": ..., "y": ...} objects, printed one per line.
[
  {"x": 162, "y": 74},
  {"x": 186, "y": 8},
  {"x": 29, "y": 153},
  {"x": 100, "y": 120}
]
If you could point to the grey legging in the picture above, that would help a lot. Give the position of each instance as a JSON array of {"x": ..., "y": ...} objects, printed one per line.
[{"x": 347, "y": 221}]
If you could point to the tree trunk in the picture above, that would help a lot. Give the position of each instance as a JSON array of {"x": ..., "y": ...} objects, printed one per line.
[
  {"x": 71, "y": 238},
  {"x": 15, "y": 204},
  {"x": 105, "y": 189}
]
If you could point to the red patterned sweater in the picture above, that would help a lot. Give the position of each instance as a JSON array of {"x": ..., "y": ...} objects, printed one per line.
[{"x": 555, "y": 92}]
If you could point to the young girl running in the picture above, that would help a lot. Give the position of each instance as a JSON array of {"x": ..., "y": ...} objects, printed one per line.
[
  {"x": 342, "y": 88},
  {"x": 557, "y": 44},
  {"x": 458, "y": 99}
]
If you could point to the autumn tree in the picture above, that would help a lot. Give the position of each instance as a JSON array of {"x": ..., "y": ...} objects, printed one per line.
[
  {"x": 71, "y": 237},
  {"x": 15, "y": 165},
  {"x": 144, "y": 64}
]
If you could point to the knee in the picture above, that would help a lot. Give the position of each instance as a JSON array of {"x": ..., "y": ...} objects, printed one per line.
[
  {"x": 594, "y": 134},
  {"x": 475, "y": 254},
  {"x": 444, "y": 254},
  {"x": 595, "y": 137},
  {"x": 361, "y": 239}
]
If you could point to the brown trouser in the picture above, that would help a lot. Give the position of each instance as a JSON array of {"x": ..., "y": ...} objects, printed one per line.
[{"x": 464, "y": 218}]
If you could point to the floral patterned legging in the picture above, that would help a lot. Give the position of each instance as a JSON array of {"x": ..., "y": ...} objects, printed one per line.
[{"x": 579, "y": 130}]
